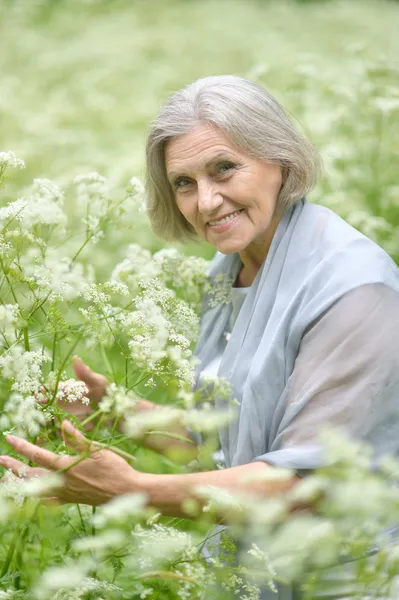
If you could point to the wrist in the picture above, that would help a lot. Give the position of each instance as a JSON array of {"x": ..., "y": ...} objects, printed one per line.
[{"x": 143, "y": 484}]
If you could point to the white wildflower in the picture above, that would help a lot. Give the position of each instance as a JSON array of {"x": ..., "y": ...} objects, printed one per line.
[
  {"x": 8, "y": 160},
  {"x": 42, "y": 207},
  {"x": 220, "y": 499},
  {"x": 387, "y": 105},
  {"x": 160, "y": 545},
  {"x": 269, "y": 572},
  {"x": 73, "y": 391},
  {"x": 19, "y": 489},
  {"x": 117, "y": 400},
  {"x": 139, "y": 424},
  {"x": 102, "y": 542},
  {"x": 66, "y": 577},
  {"x": 137, "y": 195},
  {"x": 60, "y": 276},
  {"x": 207, "y": 420},
  {"x": 6, "y": 507},
  {"x": 92, "y": 195},
  {"x": 22, "y": 414},
  {"x": 137, "y": 266},
  {"x": 116, "y": 287},
  {"x": 93, "y": 228},
  {"x": 148, "y": 329},
  {"x": 23, "y": 368},
  {"x": 219, "y": 290},
  {"x": 9, "y": 316},
  {"x": 119, "y": 509}
]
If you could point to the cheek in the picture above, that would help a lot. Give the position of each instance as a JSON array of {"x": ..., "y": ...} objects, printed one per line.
[{"x": 187, "y": 210}]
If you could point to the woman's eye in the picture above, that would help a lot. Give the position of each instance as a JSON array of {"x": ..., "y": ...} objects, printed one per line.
[
  {"x": 224, "y": 167},
  {"x": 181, "y": 182}
]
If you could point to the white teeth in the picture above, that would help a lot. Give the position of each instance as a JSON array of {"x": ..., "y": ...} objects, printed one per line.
[{"x": 225, "y": 219}]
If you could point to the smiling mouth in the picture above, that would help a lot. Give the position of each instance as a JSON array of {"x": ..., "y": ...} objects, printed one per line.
[{"x": 226, "y": 219}]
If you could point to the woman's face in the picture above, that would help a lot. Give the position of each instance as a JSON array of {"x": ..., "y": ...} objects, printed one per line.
[{"x": 228, "y": 196}]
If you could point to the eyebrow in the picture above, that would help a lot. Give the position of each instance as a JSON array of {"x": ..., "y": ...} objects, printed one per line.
[{"x": 221, "y": 155}]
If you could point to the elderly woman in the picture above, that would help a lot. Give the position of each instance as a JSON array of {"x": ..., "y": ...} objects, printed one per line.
[{"x": 310, "y": 335}]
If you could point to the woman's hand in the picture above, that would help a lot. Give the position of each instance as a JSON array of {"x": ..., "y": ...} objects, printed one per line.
[
  {"x": 96, "y": 385},
  {"x": 94, "y": 477},
  {"x": 95, "y": 382}
]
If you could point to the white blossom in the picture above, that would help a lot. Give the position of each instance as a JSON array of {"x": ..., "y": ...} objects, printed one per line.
[
  {"x": 117, "y": 400},
  {"x": 119, "y": 509},
  {"x": 8, "y": 160},
  {"x": 73, "y": 391}
]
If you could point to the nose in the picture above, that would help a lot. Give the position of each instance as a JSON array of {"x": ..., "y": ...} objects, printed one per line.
[{"x": 208, "y": 197}]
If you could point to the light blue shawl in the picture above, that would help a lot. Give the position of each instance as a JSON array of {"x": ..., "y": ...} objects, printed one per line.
[{"x": 314, "y": 259}]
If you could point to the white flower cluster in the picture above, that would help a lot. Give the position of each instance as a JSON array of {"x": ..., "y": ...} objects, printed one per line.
[
  {"x": 92, "y": 194},
  {"x": 118, "y": 401},
  {"x": 18, "y": 489},
  {"x": 120, "y": 509},
  {"x": 8, "y": 160},
  {"x": 9, "y": 316},
  {"x": 42, "y": 207},
  {"x": 162, "y": 546},
  {"x": 137, "y": 195},
  {"x": 23, "y": 368},
  {"x": 185, "y": 274},
  {"x": 58, "y": 276},
  {"x": 219, "y": 290},
  {"x": 148, "y": 329},
  {"x": 136, "y": 267},
  {"x": 137, "y": 425},
  {"x": 71, "y": 582},
  {"x": 73, "y": 391},
  {"x": 22, "y": 412}
]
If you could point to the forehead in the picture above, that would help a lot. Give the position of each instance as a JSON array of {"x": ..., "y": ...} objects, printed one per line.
[{"x": 198, "y": 146}]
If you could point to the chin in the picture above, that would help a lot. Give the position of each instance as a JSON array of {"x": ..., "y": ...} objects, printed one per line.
[{"x": 230, "y": 247}]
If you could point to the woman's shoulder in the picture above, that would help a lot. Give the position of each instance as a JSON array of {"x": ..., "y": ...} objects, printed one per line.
[
  {"x": 328, "y": 258},
  {"x": 326, "y": 241}
]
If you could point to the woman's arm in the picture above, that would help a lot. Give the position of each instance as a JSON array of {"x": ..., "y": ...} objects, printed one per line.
[
  {"x": 97, "y": 476},
  {"x": 169, "y": 493}
]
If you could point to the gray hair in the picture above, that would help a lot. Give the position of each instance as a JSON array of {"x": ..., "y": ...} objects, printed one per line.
[{"x": 252, "y": 118}]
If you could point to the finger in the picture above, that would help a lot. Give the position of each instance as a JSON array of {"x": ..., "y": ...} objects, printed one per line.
[
  {"x": 12, "y": 464},
  {"x": 51, "y": 501},
  {"x": 74, "y": 438},
  {"x": 43, "y": 399},
  {"x": 82, "y": 371},
  {"x": 39, "y": 456}
]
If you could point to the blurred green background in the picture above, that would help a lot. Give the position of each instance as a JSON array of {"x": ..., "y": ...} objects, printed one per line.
[{"x": 81, "y": 80}]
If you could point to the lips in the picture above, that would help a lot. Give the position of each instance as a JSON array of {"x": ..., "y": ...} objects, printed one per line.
[{"x": 223, "y": 219}]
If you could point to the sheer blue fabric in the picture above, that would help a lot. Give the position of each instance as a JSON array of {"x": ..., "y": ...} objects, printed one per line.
[{"x": 315, "y": 343}]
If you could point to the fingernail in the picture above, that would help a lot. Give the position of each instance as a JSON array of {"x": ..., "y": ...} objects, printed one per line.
[{"x": 10, "y": 439}]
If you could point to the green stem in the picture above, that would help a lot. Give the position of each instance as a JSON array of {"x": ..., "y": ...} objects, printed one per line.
[
  {"x": 8, "y": 281},
  {"x": 26, "y": 339},
  {"x": 173, "y": 436},
  {"x": 10, "y": 553},
  {"x": 80, "y": 249},
  {"x": 121, "y": 453},
  {"x": 91, "y": 417},
  {"x": 81, "y": 519},
  {"x": 60, "y": 370}
]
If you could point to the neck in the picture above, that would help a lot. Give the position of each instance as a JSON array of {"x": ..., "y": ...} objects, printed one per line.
[{"x": 254, "y": 255}]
